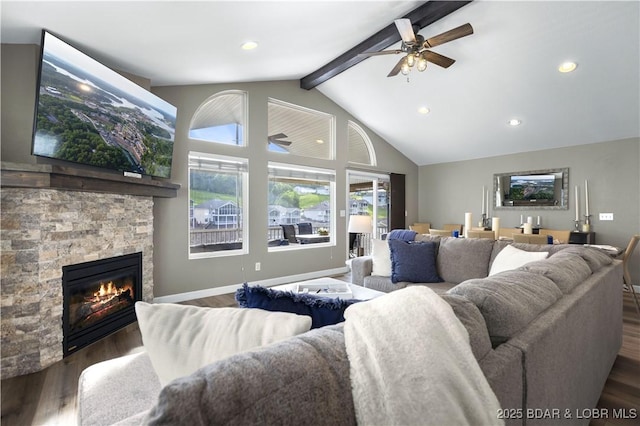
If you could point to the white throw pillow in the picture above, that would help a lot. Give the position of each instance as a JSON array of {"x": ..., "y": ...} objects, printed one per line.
[
  {"x": 180, "y": 338},
  {"x": 512, "y": 258},
  {"x": 381, "y": 257}
]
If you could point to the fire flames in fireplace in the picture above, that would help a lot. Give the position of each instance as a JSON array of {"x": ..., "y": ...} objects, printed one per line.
[
  {"x": 111, "y": 297},
  {"x": 99, "y": 298}
]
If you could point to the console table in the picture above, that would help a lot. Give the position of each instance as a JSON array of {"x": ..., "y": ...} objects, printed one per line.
[{"x": 582, "y": 238}]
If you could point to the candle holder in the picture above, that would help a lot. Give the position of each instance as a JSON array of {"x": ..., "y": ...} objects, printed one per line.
[
  {"x": 576, "y": 224},
  {"x": 486, "y": 221},
  {"x": 587, "y": 223}
]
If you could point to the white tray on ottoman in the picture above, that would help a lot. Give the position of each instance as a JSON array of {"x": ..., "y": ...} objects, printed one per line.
[{"x": 353, "y": 292}]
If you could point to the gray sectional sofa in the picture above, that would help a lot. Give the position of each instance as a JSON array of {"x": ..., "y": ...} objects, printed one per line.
[
  {"x": 545, "y": 336},
  {"x": 554, "y": 325}
]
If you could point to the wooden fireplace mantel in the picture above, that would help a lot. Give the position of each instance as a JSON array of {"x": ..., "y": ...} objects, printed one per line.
[{"x": 19, "y": 175}]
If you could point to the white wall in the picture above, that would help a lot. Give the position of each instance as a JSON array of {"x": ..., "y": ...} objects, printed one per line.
[{"x": 448, "y": 190}]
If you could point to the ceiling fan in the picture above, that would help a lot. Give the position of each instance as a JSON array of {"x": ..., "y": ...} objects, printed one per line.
[
  {"x": 278, "y": 142},
  {"x": 417, "y": 48}
]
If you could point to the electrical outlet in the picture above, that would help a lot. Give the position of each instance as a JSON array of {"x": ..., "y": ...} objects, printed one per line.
[
  {"x": 606, "y": 216},
  {"x": 258, "y": 266}
]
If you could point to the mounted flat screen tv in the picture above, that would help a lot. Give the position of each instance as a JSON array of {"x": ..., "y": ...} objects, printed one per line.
[
  {"x": 532, "y": 187},
  {"x": 87, "y": 113}
]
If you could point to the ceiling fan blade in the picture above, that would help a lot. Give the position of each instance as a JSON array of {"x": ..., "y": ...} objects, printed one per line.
[
  {"x": 438, "y": 59},
  {"x": 447, "y": 36},
  {"x": 395, "y": 70},
  {"x": 382, "y": 52},
  {"x": 277, "y": 136},
  {"x": 406, "y": 30}
]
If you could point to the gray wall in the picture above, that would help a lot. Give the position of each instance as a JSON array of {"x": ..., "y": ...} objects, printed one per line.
[
  {"x": 448, "y": 190},
  {"x": 174, "y": 273}
]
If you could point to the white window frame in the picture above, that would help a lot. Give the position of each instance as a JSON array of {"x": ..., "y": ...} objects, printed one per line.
[
  {"x": 296, "y": 169},
  {"x": 245, "y": 117},
  {"x": 222, "y": 161},
  {"x": 373, "y": 161}
]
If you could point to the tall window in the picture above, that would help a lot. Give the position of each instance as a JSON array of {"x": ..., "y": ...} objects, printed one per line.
[
  {"x": 217, "y": 208},
  {"x": 299, "y": 131},
  {"x": 301, "y": 199},
  {"x": 221, "y": 118},
  {"x": 360, "y": 148}
]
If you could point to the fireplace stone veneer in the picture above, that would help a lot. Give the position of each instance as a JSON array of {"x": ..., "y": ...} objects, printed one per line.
[{"x": 43, "y": 230}]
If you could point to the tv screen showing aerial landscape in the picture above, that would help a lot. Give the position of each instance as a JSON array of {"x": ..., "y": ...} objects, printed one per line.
[
  {"x": 87, "y": 113},
  {"x": 532, "y": 187}
]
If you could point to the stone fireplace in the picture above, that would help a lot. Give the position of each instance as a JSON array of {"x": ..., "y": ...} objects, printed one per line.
[{"x": 46, "y": 229}]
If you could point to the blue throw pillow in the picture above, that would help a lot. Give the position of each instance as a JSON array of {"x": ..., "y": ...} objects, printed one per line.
[
  {"x": 413, "y": 262},
  {"x": 322, "y": 310},
  {"x": 402, "y": 234}
]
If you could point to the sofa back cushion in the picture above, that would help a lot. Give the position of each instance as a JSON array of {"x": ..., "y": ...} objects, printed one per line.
[
  {"x": 594, "y": 257},
  {"x": 509, "y": 300},
  {"x": 566, "y": 271},
  {"x": 470, "y": 316},
  {"x": 302, "y": 380},
  {"x": 461, "y": 259}
]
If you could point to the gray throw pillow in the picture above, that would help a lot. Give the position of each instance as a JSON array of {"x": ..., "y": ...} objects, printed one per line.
[{"x": 460, "y": 259}]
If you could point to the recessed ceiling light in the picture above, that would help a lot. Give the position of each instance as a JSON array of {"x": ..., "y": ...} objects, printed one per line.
[
  {"x": 424, "y": 110},
  {"x": 567, "y": 66},
  {"x": 514, "y": 122},
  {"x": 319, "y": 141},
  {"x": 249, "y": 45}
]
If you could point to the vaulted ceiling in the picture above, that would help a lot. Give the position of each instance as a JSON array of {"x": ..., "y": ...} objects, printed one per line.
[{"x": 507, "y": 69}]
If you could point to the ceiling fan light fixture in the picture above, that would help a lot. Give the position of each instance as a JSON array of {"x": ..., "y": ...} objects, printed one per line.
[
  {"x": 411, "y": 60},
  {"x": 422, "y": 63},
  {"x": 567, "y": 67},
  {"x": 405, "y": 68}
]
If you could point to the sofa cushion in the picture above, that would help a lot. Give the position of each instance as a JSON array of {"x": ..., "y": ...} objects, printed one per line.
[
  {"x": 511, "y": 258},
  {"x": 383, "y": 284},
  {"x": 566, "y": 271},
  {"x": 302, "y": 380},
  {"x": 509, "y": 300},
  {"x": 180, "y": 338},
  {"x": 594, "y": 257},
  {"x": 413, "y": 262},
  {"x": 322, "y": 310},
  {"x": 470, "y": 316},
  {"x": 381, "y": 258},
  {"x": 461, "y": 259}
]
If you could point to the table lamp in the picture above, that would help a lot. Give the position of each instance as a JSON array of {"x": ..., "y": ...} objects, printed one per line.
[{"x": 360, "y": 224}]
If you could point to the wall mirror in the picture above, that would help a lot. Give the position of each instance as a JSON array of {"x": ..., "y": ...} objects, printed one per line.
[{"x": 546, "y": 189}]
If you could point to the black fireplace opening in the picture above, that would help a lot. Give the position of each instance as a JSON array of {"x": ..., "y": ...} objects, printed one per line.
[{"x": 99, "y": 298}]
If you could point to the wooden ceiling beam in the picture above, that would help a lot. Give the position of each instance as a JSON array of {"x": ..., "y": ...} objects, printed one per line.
[{"x": 423, "y": 15}]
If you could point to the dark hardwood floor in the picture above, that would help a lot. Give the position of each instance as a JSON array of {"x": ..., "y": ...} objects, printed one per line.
[{"x": 49, "y": 396}]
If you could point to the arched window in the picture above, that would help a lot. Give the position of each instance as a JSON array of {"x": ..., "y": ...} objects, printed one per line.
[
  {"x": 360, "y": 148},
  {"x": 221, "y": 119},
  {"x": 300, "y": 131}
]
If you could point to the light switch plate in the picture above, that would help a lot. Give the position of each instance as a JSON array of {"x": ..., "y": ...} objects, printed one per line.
[{"x": 606, "y": 216}]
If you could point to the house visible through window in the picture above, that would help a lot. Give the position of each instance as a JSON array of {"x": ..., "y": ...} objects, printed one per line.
[
  {"x": 217, "y": 210},
  {"x": 301, "y": 200}
]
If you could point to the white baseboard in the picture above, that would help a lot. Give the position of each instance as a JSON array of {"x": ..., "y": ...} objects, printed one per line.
[{"x": 216, "y": 291}]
